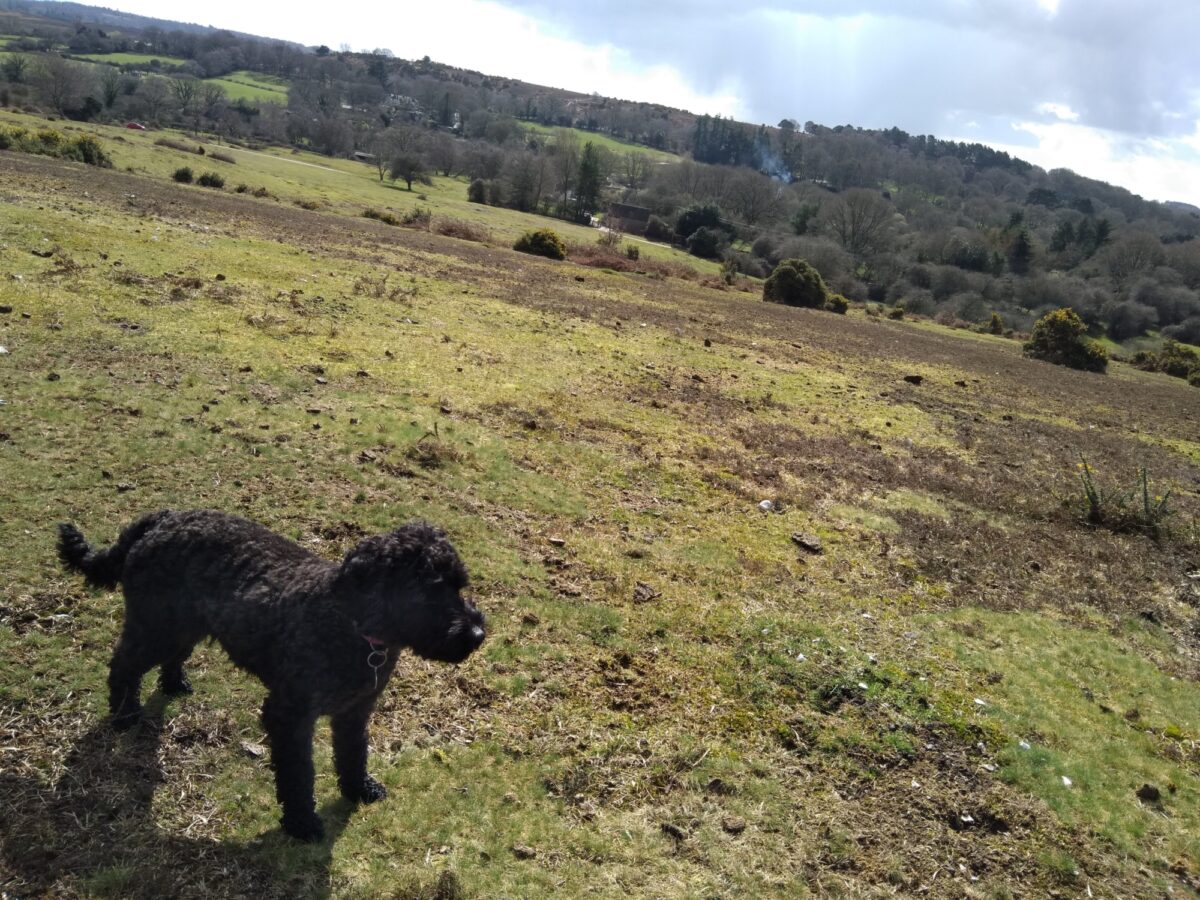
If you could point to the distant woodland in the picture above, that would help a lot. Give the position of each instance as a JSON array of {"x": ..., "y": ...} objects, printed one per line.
[{"x": 948, "y": 230}]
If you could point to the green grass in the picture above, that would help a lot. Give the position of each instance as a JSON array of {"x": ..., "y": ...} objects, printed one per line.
[
  {"x": 602, "y": 140},
  {"x": 1089, "y": 707},
  {"x": 119, "y": 59},
  {"x": 753, "y": 706},
  {"x": 253, "y": 87}
]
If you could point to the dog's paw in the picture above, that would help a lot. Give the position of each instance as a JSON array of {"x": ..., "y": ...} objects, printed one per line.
[
  {"x": 176, "y": 687},
  {"x": 368, "y": 791},
  {"x": 307, "y": 828},
  {"x": 126, "y": 720}
]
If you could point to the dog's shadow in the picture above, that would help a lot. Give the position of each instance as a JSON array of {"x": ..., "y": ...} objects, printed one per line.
[{"x": 91, "y": 830}]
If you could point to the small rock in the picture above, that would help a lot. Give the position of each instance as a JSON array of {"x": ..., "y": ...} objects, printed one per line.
[
  {"x": 1066, "y": 781},
  {"x": 672, "y": 830},
  {"x": 579, "y": 278},
  {"x": 246, "y": 369},
  {"x": 1148, "y": 793},
  {"x": 766, "y": 505},
  {"x": 125, "y": 487},
  {"x": 643, "y": 593},
  {"x": 1025, "y": 745},
  {"x": 253, "y": 750},
  {"x": 322, "y": 380},
  {"x": 530, "y": 619},
  {"x": 312, "y": 411},
  {"x": 362, "y": 373},
  {"x": 445, "y": 409},
  {"x": 557, "y": 541},
  {"x": 914, "y": 379},
  {"x": 733, "y": 824},
  {"x": 5, "y": 309},
  {"x": 707, "y": 342},
  {"x": 220, "y": 277},
  {"x": 808, "y": 542},
  {"x": 960, "y": 384},
  {"x": 521, "y": 851},
  {"x": 53, "y": 376},
  {"x": 3, "y": 351}
]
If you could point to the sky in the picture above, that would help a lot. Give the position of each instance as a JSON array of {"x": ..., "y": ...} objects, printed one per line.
[{"x": 1107, "y": 88}]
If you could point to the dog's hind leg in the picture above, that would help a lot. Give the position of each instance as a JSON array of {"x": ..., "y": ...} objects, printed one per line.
[
  {"x": 289, "y": 728},
  {"x": 171, "y": 678},
  {"x": 132, "y": 659},
  {"x": 350, "y": 755}
]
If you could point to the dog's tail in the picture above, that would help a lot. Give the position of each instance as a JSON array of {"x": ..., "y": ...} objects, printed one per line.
[{"x": 102, "y": 568}]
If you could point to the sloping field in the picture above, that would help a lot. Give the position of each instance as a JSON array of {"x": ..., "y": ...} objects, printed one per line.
[{"x": 957, "y": 689}]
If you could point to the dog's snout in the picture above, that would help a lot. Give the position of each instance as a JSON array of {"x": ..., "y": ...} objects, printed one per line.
[{"x": 477, "y": 635}]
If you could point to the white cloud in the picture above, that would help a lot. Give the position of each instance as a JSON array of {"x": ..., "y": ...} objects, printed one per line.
[
  {"x": 1058, "y": 110},
  {"x": 1157, "y": 169}
]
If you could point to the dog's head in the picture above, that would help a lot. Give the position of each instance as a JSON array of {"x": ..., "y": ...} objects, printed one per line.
[{"x": 404, "y": 588}]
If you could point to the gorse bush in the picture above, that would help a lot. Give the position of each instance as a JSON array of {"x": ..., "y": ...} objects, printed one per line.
[
  {"x": 1059, "y": 337},
  {"x": 211, "y": 179},
  {"x": 477, "y": 191},
  {"x": 183, "y": 175},
  {"x": 542, "y": 242},
  {"x": 1173, "y": 359},
  {"x": 380, "y": 216},
  {"x": 47, "y": 142},
  {"x": 837, "y": 304},
  {"x": 795, "y": 283}
]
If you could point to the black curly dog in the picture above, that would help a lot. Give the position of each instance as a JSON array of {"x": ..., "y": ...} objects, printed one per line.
[{"x": 323, "y": 637}]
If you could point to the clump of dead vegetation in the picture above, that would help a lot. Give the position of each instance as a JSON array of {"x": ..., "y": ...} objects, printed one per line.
[
  {"x": 463, "y": 230},
  {"x": 598, "y": 256}
]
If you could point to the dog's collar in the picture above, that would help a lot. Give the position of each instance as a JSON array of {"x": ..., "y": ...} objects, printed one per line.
[{"x": 375, "y": 643}]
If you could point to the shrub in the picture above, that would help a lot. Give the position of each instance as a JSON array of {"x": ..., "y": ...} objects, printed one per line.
[
  {"x": 304, "y": 204},
  {"x": 632, "y": 252},
  {"x": 658, "y": 230},
  {"x": 995, "y": 324},
  {"x": 380, "y": 216},
  {"x": 837, "y": 303},
  {"x": 1174, "y": 359},
  {"x": 86, "y": 149},
  {"x": 610, "y": 239},
  {"x": 795, "y": 283},
  {"x": 696, "y": 217},
  {"x": 706, "y": 242},
  {"x": 241, "y": 189},
  {"x": 542, "y": 242},
  {"x": 418, "y": 217},
  {"x": 729, "y": 270},
  {"x": 897, "y": 311},
  {"x": 211, "y": 179},
  {"x": 1194, "y": 378},
  {"x": 1135, "y": 509},
  {"x": 1059, "y": 338},
  {"x": 183, "y": 175},
  {"x": 223, "y": 157},
  {"x": 477, "y": 191},
  {"x": 261, "y": 192}
]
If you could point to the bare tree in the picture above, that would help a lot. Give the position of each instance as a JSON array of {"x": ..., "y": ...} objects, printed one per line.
[
  {"x": 635, "y": 169},
  {"x": 155, "y": 94},
  {"x": 112, "y": 83},
  {"x": 860, "y": 220},
  {"x": 60, "y": 81},
  {"x": 567, "y": 152}
]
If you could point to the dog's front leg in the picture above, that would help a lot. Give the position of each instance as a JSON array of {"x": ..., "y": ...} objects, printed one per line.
[
  {"x": 350, "y": 754},
  {"x": 289, "y": 728}
]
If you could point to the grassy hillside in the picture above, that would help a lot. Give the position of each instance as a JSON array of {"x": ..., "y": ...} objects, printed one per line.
[{"x": 958, "y": 689}]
